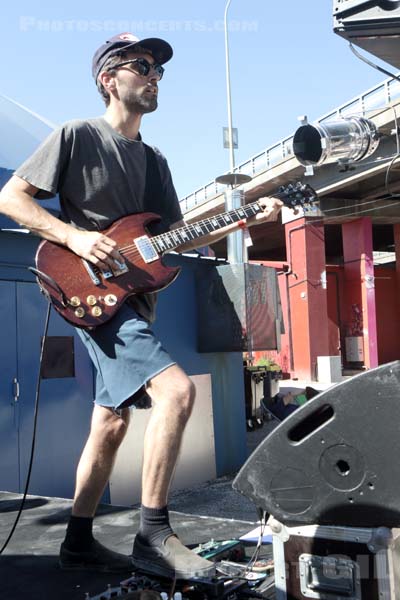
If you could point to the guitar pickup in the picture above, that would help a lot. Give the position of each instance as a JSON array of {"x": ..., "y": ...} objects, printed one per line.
[{"x": 146, "y": 249}]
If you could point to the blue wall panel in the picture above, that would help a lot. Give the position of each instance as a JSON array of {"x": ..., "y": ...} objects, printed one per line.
[
  {"x": 65, "y": 403},
  {"x": 9, "y": 413}
]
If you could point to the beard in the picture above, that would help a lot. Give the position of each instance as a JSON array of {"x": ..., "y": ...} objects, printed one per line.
[{"x": 140, "y": 102}]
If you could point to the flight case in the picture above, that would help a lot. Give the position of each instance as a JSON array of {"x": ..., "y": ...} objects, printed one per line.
[{"x": 336, "y": 563}]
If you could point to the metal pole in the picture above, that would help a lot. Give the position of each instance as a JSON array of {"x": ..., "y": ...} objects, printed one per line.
[
  {"x": 236, "y": 250},
  {"x": 228, "y": 91}
]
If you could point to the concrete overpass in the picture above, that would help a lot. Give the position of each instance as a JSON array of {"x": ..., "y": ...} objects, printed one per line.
[{"x": 363, "y": 190}]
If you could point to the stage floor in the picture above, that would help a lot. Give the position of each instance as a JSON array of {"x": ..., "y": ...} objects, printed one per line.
[{"x": 29, "y": 566}]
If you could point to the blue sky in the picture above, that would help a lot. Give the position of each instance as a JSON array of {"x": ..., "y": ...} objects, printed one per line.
[{"x": 285, "y": 62}]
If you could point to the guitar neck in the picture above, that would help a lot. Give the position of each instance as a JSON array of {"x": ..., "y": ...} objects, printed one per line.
[{"x": 178, "y": 237}]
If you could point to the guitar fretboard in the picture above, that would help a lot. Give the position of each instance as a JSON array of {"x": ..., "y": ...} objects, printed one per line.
[{"x": 180, "y": 236}]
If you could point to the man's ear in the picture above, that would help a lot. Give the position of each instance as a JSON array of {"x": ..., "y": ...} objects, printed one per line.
[{"x": 107, "y": 80}]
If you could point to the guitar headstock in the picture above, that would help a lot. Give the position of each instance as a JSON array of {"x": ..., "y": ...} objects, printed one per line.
[{"x": 296, "y": 194}]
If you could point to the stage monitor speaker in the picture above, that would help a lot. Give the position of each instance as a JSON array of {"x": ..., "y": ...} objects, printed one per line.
[
  {"x": 373, "y": 25},
  {"x": 335, "y": 460}
]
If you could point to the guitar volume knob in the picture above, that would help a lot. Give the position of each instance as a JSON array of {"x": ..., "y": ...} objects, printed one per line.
[
  {"x": 96, "y": 311},
  {"x": 91, "y": 300},
  {"x": 75, "y": 301},
  {"x": 79, "y": 312}
]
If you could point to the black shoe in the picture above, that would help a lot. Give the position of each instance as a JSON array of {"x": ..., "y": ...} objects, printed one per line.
[
  {"x": 170, "y": 559},
  {"x": 98, "y": 558},
  {"x": 311, "y": 392},
  {"x": 250, "y": 425},
  {"x": 259, "y": 422}
]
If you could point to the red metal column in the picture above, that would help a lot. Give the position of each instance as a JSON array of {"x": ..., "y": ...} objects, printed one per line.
[
  {"x": 360, "y": 309},
  {"x": 396, "y": 235},
  {"x": 307, "y": 298}
]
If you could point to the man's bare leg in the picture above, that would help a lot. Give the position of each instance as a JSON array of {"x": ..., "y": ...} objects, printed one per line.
[
  {"x": 97, "y": 459},
  {"x": 80, "y": 550},
  {"x": 172, "y": 394},
  {"x": 156, "y": 549}
]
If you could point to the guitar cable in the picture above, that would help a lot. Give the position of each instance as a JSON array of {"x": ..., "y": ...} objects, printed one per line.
[
  {"x": 35, "y": 417},
  {"x": 51, "y": 282}
]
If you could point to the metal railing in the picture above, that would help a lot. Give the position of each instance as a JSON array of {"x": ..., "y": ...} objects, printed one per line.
[{"x": 372, "y": 99}]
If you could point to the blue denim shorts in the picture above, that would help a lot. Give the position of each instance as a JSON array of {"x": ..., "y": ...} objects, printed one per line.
[{"x": 126, "y": 355}]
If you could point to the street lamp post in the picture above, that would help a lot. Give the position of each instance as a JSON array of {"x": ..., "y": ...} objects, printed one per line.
[
  {"x": 228, "y": 91},
  {"x": 234, "y": 198}
]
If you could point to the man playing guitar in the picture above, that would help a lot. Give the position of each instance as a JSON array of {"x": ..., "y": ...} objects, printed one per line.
[{"x": 103, "y": 171}]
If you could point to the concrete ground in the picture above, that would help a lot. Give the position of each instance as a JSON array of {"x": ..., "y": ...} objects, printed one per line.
[{"x": 29, "y": 566}]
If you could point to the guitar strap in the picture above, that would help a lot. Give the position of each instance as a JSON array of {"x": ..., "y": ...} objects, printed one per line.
[{"x": 153, "y": 191}]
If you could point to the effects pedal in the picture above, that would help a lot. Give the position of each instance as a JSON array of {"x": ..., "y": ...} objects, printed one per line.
[{"x": 217, "y": 550}]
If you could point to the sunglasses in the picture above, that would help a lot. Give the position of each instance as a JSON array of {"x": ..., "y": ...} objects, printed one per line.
[{"x": 141, "y": 66}]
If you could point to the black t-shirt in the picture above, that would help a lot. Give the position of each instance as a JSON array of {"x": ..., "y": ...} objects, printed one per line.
[{"x": 99, "y": 176}]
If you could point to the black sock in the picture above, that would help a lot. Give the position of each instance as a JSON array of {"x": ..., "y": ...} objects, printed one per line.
[
  {"x": 154, "y": 525},
  {"x": 79, "y": 537}
]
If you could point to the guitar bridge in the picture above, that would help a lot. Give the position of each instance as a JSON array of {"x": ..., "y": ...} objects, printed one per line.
[
  {"x": 120, "y": 269},
  {"x": 92, "y": 273},
  {"x": 95, "y": 272}
]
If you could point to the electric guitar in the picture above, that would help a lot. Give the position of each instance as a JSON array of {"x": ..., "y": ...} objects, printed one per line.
[{"x": 87, "y": 296}]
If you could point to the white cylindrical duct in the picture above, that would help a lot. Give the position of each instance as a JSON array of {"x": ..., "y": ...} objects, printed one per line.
[
  {"x": 348, "y": 139},
  {"x": 236, "y": 250}
]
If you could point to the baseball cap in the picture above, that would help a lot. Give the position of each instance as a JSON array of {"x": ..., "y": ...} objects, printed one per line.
[{"x": 121, "y": 43}]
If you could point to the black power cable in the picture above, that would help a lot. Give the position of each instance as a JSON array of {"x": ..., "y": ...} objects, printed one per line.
[
  {"x": 372, "y": 64},
  {"x": 36, "y": 412},
  {"x": 397, "y": 78}
]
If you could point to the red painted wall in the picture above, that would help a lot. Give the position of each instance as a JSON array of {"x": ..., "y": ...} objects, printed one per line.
[{"x": 388, "y": 316}]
